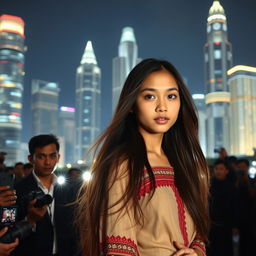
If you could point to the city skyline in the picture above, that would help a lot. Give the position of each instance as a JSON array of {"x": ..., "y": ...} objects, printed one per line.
[{"x": 164, "y": 29}]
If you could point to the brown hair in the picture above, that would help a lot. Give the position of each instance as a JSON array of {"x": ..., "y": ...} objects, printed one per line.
[{"x": 121, "y": 142}]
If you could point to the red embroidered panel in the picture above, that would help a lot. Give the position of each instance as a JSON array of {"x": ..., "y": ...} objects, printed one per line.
[
  {"x": 116, "y": 245},
  {"x": 164, "y": 176}
]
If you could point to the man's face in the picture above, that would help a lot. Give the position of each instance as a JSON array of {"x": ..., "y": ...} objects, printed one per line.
[
  {"x": 45, "y": 160},
  {"x": 243, "y": 167},
  {"x": 220, "y": 171}
]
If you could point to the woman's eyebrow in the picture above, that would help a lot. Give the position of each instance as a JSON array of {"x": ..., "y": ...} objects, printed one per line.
[{"x": 153, "y": 89}]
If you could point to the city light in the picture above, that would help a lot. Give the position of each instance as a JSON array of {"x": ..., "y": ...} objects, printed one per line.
[
  {"x": 61, "y": 180},
  {"x": 241, "y": 68},
  {"x": 87, "y": 176},
  {"x": 69, "y": 165}
]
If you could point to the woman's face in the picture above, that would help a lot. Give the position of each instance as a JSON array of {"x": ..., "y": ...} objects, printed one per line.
[{"x": 158, "y": 103}]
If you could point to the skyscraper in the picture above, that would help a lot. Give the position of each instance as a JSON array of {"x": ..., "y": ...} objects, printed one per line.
[
  {"x": 88, "y": 102},
  {"x": 199, "y": 100},
  {"x": 124, "y": 63},
  {"x": 67, "y": 132},
  {"x": 44, "y": 104},
  {"x": 242, "y": 84},
  {"x": 11, "y": 84},
  {"x": 218, "y": 59}
]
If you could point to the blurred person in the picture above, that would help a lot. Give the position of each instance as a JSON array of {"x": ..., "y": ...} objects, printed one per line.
[
  {"x": 28, "y": 168},
  {"x": 223, "y": 212},
  {"x": 222, "y": 153},
  {"x": 7, "y": 198},
  {"x": 2, "y": 159},
  {"x": 18, "y": 172},
  {"x": 53, "y": 233},
  {"x": 6, "y": 249},
  {"x": 246, "y": 197},
  {"x": 74, "y": 174}
]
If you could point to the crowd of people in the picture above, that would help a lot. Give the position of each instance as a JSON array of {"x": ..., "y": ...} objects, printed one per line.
[
  {"x": 232, "y": 207},
  {"x": 44, "y": 209},
  {"x": 151, "y": 191}
]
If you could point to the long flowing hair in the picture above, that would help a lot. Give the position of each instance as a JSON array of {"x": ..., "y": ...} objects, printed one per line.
[{"x": 121, "y": 142}]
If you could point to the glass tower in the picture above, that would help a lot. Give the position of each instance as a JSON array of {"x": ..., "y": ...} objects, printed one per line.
[
  {"x": 124, "y": 63},
  {"x": 11, "y": 85},
  {"x": 242, "y": 84},
  {"x": 44, "y": 104},
  {"x": 218, "y": 59},
  {"x": 88, "y": 103},
  {"x": 199, "y": 100},
  {"x": 67, "y": 132}
]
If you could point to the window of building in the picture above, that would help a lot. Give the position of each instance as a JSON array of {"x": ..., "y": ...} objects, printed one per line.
[{"x": 217, "y": 54}]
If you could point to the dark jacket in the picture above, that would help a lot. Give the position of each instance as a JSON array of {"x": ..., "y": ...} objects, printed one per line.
[{"x": 40, "y": 242}]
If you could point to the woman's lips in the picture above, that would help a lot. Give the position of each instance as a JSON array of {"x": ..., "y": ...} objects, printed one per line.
[{"x": 161, "y": 120}]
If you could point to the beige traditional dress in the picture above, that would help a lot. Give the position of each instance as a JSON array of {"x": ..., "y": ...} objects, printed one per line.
[{"x": 166, "y": 220}]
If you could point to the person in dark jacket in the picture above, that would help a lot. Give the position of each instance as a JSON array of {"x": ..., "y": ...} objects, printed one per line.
[
  {"x": 223, "y": 212},
  {"x": 53, "y": 231}
]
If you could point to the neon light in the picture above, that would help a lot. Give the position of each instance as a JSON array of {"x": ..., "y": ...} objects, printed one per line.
[
  {"x": 217, "y": 97},
  {"x": 198, "y": 96},
  {"x": 67, "y": 109},
  {"x": 217, "y": 17},
  {"x": 241, "y": 68},
  {"x": 12, "y": 17},
  {"x": 12, "y": 24},
  {"x": 15, "y": 114}
]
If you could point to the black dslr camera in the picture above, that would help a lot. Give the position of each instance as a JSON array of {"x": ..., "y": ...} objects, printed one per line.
[
  {"x": 21, "y": 229},
  {"x": 41, "y": 198}
]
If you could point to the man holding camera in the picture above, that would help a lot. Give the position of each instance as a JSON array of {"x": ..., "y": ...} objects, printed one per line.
[
  {"x": 7, "y": 197},
  {"x": 52, "y": 221}
]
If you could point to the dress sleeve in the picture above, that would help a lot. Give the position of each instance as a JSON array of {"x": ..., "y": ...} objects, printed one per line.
[
  {"x": 121, "y": 229},
  {"x": 199, "y": 244}
]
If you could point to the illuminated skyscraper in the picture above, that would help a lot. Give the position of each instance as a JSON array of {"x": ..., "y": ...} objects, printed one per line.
[
  {"x": 242, "y": 84},
  {"x": 124, "y": 63},
  {"x": 44, "y": 104},
  {"x": 199, "y": 100},
  {"x": 218, "y": 59},
  {"x": 11, "y": 84},
  {"x": 67, "y": 132},
  {"x": 88, "y": 103}
]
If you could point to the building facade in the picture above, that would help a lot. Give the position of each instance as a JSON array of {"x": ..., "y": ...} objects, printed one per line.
[
  {"x": 242, "y": 84},
  {"x": 11, "y": 85},
  {"x": 88, "y": 103},
  {"x": 218, "y": 59},
  {"x": 199, "y": 100},
  {"x": 124, "y": 63},
  {"x": 44, "y": 105},
  {"x": 67, "y": 132}
]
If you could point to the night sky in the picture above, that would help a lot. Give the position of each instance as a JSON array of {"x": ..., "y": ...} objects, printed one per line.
[{"x": 57, "y": 32}]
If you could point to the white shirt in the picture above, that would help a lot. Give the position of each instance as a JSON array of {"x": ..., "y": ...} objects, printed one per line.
[{"x": 50, "y": 207}]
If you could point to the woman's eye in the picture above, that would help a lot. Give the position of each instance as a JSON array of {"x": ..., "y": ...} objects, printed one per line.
[
  {"x": 172, "y": 96},
  {"x": 149, "y": 97}
]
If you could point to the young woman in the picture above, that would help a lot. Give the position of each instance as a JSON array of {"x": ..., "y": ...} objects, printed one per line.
[{"x": 149, "y": 188}]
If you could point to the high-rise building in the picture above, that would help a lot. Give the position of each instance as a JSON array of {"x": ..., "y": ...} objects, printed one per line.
[
  {"x": 67, "y": 132},
  {"x": 124, "y": 63},
  {"x": 44, "y": 105},
  {"x": 218, "y": 59},
  {"x": 11, "y": 84},
  {"x": 88, "y": 103},
  {"x": 242, "y": 84},
  {"x": 199, "y": 100}
]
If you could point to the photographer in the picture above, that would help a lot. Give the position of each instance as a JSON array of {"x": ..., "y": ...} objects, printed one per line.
[
  {"x": 7, "y": 197},
  {"x": 6, "y": 249},
  {"x": 53, "y": 232}
]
